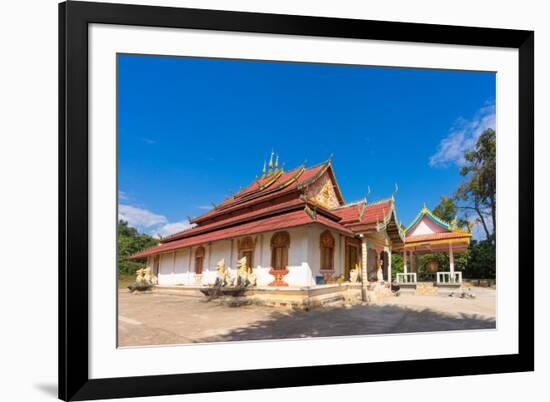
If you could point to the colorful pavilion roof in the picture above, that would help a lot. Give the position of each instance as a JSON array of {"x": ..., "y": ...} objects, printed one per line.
[
  {"x": 426, "y": 212},
  {"x": 434, "y": 232}
]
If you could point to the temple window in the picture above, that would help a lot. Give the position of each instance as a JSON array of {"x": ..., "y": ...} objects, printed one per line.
[
  {"x": 327, "y": 250},
  {"x": 280, "y": 242},
  {"x": 199, "y": 260},
  {"x": 246, "y": 249}
]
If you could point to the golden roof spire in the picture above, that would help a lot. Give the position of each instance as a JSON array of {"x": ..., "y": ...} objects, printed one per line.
[
  {"x": 270, "y": 164},
  {"x": 277, "y": 162},
  {"x": 264, "y": 169}
]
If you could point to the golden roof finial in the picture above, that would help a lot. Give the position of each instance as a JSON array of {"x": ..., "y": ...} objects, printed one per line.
[
  {"x": 277, "y": 162},
  {"x": 270, "y": 164},
  {"x": 264, "y": 169}
]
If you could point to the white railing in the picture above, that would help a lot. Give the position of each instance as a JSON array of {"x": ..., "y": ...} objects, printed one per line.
[
  {"x": 409, "y": 277},
  {"x": 449, "y": 278}
]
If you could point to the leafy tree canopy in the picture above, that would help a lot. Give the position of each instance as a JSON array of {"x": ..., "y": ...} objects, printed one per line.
[{"x": 130, "y": 241}]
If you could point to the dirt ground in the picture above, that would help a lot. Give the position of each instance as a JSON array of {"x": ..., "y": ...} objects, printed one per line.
[{"x": 156, "y": 319}]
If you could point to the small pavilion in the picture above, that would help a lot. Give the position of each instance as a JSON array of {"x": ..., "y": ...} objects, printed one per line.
[{"x": 428, "y": 233}]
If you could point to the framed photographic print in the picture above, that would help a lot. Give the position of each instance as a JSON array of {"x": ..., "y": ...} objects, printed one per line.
[{"x": 258, "y": 201}]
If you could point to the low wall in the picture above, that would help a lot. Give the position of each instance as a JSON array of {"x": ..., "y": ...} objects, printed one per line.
[
  {"x": 483, "y": 283},
  {"x": 288, "y": 297}
]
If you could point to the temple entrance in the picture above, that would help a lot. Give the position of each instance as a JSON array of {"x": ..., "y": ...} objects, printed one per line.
[{"x": 351, "y": 259}]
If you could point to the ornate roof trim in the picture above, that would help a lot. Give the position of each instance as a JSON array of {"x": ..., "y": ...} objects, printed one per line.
[{"x": 434, "y": 218}]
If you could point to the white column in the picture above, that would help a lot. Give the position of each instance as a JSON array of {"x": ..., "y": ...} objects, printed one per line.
[
  {"x": 209, "y": 256},
  {"x": 364, "y": 280},
  {"x": 261, "y": 250},
  {"x": 174, "y": 264},
  {"x": 451, "y": 259},
  {"x": 405, "y": 262},
  {"x": 189, "y": 263},
  {"x": 231, "y": 255}
]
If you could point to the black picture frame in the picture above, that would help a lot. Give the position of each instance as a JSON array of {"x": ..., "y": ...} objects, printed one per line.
[{"x": 74, "y": 18}]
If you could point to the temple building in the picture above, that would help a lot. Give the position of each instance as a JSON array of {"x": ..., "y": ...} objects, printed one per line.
[{"x": 296, "y": 230}]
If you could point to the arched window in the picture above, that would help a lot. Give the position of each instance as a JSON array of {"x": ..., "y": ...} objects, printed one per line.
[
  {"x": 327, "y": 251},
  {"x": 199, "y": 260},
  {"x": 280, "y": 242},
  {"x": 246, "y": 249}
]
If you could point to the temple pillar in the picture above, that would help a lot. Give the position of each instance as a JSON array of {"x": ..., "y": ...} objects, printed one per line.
[
  {"x": 411, "y": 255},
  {"x": 451, "y": 259},
  {"x": 231, "y": 243},
  {"x": 364, "y": 259},
  {"x": 405, "y": 271}
]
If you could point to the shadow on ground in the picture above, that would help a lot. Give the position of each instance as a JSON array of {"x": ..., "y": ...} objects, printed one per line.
[{"x": 355, "y": 320}]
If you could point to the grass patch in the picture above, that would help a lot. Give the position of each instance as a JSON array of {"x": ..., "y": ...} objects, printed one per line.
[{"x": 125, "y": 280}]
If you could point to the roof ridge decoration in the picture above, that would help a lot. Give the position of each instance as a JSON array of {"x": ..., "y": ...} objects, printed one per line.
[
  {"x": 381, "y": 200},
  {"x": 311, "y": 212},
  {"x": 351, "y": 204},
  {"x": 363, "y": 209}
]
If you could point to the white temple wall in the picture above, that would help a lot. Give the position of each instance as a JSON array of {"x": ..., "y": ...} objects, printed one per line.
[
  {"x": 214, "y": 253},
  {"x": 300, "y": 257},
  {"x": 262, "y": 255},
  {"x": 303, "y": 259},
  {"x": 182, "y": 274},
  {"x": 166, "y": 269}
]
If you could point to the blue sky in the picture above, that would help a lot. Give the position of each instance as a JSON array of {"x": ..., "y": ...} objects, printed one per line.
[{"x": 191, "y": 131}]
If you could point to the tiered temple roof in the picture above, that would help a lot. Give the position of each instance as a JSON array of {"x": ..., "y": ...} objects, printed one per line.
[{"x": 281, "y": 200}]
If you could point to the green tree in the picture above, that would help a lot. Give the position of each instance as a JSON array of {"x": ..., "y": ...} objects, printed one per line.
[
  {"x": 130, "y": 241},
  {"x": 481, "y": 260},
  {"x": 449, "y": 211},
  {"x": 396, "y": 264},
  {"x": 477, "y": 193}
]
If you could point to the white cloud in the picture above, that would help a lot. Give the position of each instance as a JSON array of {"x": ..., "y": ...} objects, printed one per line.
[
  {"x": 463, "y": 137},
  {"x": 172, "y": 228},
  {"x": 139, "y": 217},
  {"x": 155, "y": 224}
]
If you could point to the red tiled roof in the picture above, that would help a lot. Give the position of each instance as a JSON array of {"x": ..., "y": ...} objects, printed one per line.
[
  {"x": 295, "y": 203},
  {"x": 436, "y": 236},
  {"x": 349, "y": 213},
  {"x": 361, "y": 214},
  {"x": 376, "y": 212},
  {"x": 282, "y": 185},
  {"x": 283, "y": 221}
]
